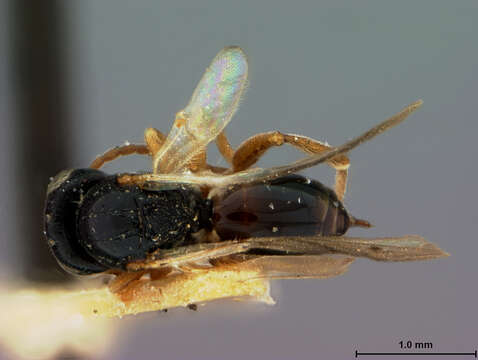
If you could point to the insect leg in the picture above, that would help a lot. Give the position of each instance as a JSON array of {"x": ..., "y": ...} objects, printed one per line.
[
  {"x": 256, "y": 175},
  {"x": 198, "y": 162},
  {"x": 123, "y": 279},
  {"x": 225, "y": 147},
  {"x": 249, "y": 152},
  {"x": 118, "y": 151},
  {"x": 154, "y": 139},
  {"x": 125, "y": 282}
]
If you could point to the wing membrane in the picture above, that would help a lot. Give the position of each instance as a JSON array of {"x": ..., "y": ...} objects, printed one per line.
[
  {"x": 212, "y": 105},
  {"x": 300, "y": 267},
  {"x": 405, "y": 248}
]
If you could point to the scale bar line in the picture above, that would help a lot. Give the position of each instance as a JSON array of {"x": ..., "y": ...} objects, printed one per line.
[{"x": 357, "y": 353}]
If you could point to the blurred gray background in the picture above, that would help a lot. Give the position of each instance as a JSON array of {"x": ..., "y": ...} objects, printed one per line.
[{"x": 77, "y": 77}]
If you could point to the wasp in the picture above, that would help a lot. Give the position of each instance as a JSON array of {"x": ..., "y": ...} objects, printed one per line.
[{"x": 189, "y": 214}]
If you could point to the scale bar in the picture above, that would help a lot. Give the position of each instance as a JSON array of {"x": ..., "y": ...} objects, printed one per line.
[{"x": 357, "y": 353}]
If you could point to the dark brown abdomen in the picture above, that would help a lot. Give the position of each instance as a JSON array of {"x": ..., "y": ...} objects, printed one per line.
[{"x": 290, "y": 205}]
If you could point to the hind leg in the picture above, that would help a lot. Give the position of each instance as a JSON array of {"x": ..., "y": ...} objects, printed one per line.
[{"x": 251, "y": 150}]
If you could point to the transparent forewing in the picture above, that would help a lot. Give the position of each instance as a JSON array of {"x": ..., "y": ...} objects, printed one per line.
[
  {"x": 217, "y": 95},
  {"x": 300, "y": 266},
  {"x": 212, "y": 105},
  {"x": 404, "y": 248}
]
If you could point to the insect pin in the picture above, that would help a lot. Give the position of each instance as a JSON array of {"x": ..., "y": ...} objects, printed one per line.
[{"x": 187, "y": 215}]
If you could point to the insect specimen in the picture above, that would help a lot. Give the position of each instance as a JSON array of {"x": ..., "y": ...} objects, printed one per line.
[{"x": 187, "y": 215}]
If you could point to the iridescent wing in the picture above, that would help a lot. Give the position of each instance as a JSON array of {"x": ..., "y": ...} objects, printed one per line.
[{"x": 212, "y": 105}]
